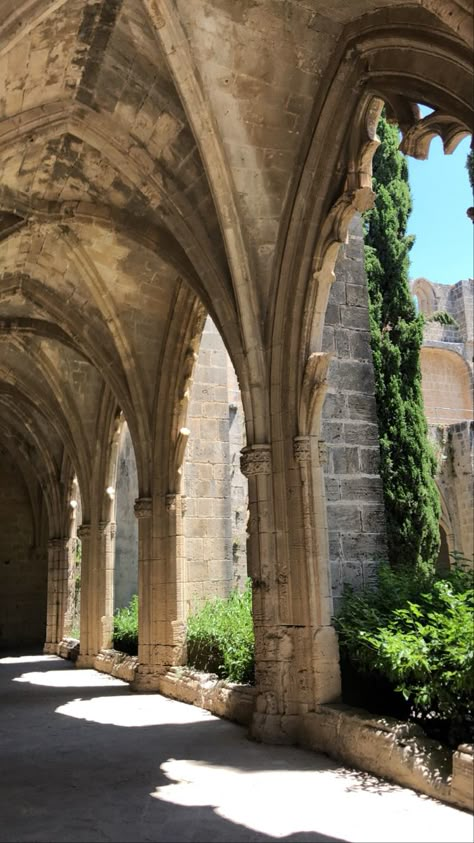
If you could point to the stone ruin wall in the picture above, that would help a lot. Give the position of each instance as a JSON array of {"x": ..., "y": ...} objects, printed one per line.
[
  {"x": 454, "y": 446},
  {"x": 447, "y": 382},
  {"x": 126, "y": 536},
  {"x": 215, "y": 489},
  {"x": 355, "y": 508},
  {"x": 23, "y": 564}
]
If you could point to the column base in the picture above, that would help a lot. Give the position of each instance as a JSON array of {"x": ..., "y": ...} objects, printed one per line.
[
  {"x": 51, "y": 648},
  {"x": 144, "y": 682},
  {"x": 283, "y": 729},
  {"x": 85, "y": 661}
]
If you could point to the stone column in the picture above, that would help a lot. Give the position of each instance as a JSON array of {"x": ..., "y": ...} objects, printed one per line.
[
  {"x": 311, "y": 454},
  {"x": 96, "y": 590},
  {"x": 86, "y": 658},
  {"x": 105, "y": 591},
  {"x": 71, "y": 586},
  {"x": 144, "y": 512},
  {"x": 175, "y": 615},
  {"x": 58, "y": 561},
  {"x": 161, "y": 637},
  {"x": 273, "y": 643}
]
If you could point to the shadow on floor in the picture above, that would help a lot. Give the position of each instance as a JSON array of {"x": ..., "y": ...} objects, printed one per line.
[{"x": 84, "y": 761}]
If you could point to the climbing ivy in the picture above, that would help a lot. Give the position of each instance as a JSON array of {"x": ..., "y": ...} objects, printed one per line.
[{"x": 407, "y": 461}]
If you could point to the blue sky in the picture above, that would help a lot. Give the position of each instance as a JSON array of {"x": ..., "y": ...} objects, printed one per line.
[{"x": 443, "y": 249}]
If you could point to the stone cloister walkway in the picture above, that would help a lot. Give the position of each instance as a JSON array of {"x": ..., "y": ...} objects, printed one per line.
[{"x": 84, "y": 759}]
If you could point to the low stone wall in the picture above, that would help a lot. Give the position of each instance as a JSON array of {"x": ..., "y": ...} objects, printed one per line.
[
  {"x": 462, "y": 785},
  {"x": 392, "y": 749},
  {"x": 119, "y": 665},
  {"x": 224, "y": 699},
  {"x": 68, "y": 648}
]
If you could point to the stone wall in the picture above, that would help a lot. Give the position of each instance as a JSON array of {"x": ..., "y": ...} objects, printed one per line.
[
  {"x": 126, "y": 537},
  {"x": 447, "y": 379},
  {"x": 238, "y": 483},
  {"x": 455, "y": 451},
  {"x": 23, "y": 567},
  {"x": 355, "y": 508},
  {"x": 215, "y": 489},
  {"x": 446, "y": 384}
]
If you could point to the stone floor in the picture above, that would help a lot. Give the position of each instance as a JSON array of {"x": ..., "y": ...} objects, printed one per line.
[{"x": 84, "y": 759}]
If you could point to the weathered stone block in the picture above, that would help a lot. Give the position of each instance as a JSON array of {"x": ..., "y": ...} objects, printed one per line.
[{"x": 343, "y": 518}]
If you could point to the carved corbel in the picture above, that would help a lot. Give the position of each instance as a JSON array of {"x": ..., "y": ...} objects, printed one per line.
[
  {"x": 363, "y": 144},
  {"x": 177, "y": 459},
  {"x": 256, "y": 459},
  {"x": 170, "y": 502},
  {"x": 302, "y": 449},
  {"x": 313, "y": 390},
  {"x": 357, "y": 196},
  {"x": 143, "y": 508}
]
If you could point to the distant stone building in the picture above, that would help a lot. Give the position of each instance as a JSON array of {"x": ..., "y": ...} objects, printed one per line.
[{"x": 447, "y": 379}]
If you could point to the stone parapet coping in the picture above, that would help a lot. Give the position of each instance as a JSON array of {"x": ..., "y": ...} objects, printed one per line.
[
  {"x": 119, "y": 665},
  {"x": 224, "y": 699},
  {"x": 389, "y": 748},
  {"x": 392, "y": 749},
  {"x": 68, "y": 648}
]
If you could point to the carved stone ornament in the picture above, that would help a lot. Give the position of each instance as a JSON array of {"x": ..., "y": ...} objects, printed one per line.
[
  {"x": 58, "y": 544},
  {"x": 170, "y": 502},
  {"x": 301, "y": 449},
  {"x": 143, "y": 507},
  {"x": 256, "y": 459},
  {"x": 84, "y": 532}
]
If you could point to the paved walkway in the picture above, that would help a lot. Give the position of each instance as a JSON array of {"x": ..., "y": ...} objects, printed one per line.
[{"x": 84, "y": 759}]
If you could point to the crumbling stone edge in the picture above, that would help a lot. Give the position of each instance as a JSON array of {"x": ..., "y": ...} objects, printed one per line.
[{"x": 389, "y": 748}]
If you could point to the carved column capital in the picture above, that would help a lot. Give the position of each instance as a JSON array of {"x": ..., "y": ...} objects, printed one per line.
[
  {"x": 55, "y": 544},
  {"x": 256, "y": 459},
  {"x": 301, "y": 449},
  {"x": 143, "y": 508},
  {"x": 84, "y": 532}
]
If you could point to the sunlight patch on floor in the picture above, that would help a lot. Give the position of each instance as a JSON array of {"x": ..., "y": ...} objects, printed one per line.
[
  {"x": 133, "y": 710},
  {"x": 69, "y": 679},
  {"x": 260, "y": 799},
  {"x": 25, "y": 659}
]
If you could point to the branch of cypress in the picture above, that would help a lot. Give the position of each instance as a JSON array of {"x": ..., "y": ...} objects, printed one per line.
[{"x": 408, "y": 464}]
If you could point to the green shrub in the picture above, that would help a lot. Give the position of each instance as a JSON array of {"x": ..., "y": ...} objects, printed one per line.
[
  {"x": 125, "y": 636},
  {"x": 443, "y": 317},
  {"x": 220, "y": 637},
  {"x": 415, "y": 630}
]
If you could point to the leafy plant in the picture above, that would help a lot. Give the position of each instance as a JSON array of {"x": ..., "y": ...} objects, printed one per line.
[
  {"x": 415, "y": 629},
  {"x": 125, "y": 635},
  {"x": 470, "y": 167},
  {"x": 220, "y": 636},
  {"x": 443, "y": 318}
]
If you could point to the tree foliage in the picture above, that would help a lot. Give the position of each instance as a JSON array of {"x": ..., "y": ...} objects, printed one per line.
[
  {"x": 415, "y": 630},
  {"x": 407, "y": 461}
]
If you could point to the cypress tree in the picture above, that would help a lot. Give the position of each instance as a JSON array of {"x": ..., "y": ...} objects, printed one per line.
[{"x": 408, "y": 464}]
